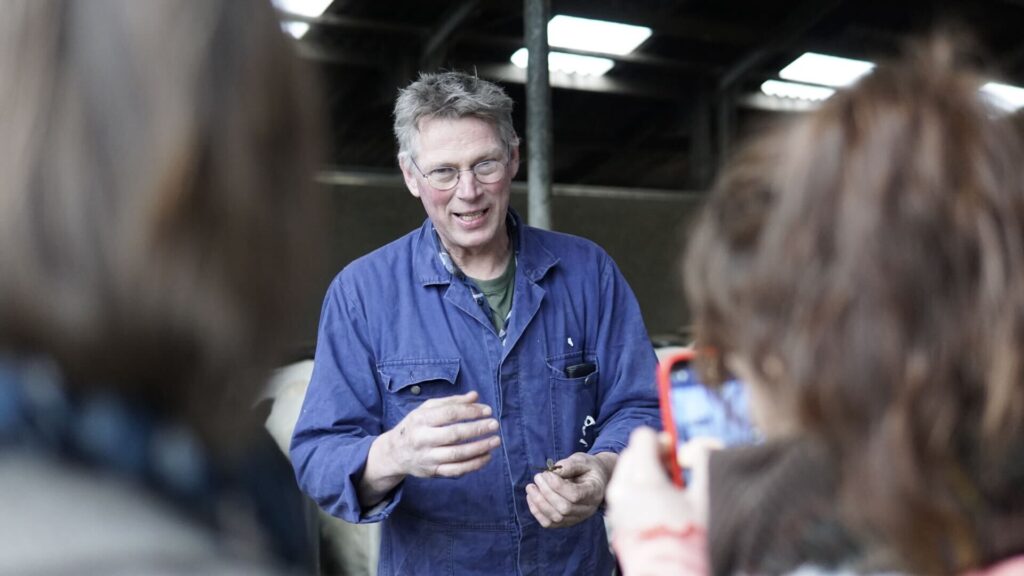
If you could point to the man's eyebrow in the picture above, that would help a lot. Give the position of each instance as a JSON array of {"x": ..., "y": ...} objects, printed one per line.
[{"x": 495, "y": 154}]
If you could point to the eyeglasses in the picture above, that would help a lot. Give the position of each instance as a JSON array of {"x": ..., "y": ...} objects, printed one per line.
[{"x": 447, "y": 177}]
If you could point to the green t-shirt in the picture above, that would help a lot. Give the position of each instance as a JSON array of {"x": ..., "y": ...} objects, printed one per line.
[{"x": 499, "y": 294}]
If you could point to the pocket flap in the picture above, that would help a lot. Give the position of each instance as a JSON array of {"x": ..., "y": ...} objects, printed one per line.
[{"x": 402, "y": 374}]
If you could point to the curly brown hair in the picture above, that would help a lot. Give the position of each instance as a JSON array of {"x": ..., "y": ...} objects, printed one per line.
[
  {"x": 721, "y": 249},
  {"x": 883, "y": 303}
]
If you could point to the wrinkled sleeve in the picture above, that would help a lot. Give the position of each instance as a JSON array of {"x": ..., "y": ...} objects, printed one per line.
[
  {"x": 342, "y": 412},
  {"x": 628, "y": 397}
]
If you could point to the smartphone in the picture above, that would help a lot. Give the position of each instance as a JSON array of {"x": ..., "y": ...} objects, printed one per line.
[{"x": 690, "y": 410}]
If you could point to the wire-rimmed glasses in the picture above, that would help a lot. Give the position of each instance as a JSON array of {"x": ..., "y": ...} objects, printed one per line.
[{"x": 447, "y": 177}]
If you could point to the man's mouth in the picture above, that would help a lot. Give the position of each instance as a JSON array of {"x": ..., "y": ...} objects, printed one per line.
[{"x": 471, "y": 216}]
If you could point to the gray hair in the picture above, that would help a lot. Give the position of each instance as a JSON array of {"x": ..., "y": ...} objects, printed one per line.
[{"x": 451, "y": 95}]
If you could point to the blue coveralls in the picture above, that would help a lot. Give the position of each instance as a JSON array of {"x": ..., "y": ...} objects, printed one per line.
[{"x": 398, "y": 327}]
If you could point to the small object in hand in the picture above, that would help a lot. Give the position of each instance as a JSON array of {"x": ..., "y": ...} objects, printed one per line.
[{"x": 550, "y": 466}]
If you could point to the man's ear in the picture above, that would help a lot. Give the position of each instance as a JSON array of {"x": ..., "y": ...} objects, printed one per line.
[
  {"x": 409, "y": 174},
  {"x": 513, "y": 162}
]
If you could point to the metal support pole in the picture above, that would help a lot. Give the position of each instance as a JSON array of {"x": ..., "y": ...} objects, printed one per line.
[
  {"x": 702, "y": 155},
  {"x": 726, "y": 124},
  {"x": 538, "y": 112}
]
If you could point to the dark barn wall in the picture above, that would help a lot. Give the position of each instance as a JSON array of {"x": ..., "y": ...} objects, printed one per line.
[
  {"x": 643, "y": 234},
  {"x": 645, "y": 237}
]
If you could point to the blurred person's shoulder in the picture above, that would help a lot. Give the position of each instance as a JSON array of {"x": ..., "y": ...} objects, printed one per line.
[{"x": 61, "y": 519}]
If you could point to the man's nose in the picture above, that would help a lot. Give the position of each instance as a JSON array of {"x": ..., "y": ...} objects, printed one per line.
[{"x": 467, "y": 186}]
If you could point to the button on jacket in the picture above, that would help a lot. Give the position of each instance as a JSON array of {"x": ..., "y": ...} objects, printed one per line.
[{"x": 398, "y": 328}]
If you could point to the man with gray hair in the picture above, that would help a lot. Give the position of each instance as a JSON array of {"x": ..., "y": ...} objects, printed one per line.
[{"x": 475, "y": 379}]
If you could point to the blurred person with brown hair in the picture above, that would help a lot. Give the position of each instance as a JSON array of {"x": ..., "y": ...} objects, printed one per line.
[
  {"x": 773, "y": 501},
  {"x": 156, "y": 212},
  {"x": 882, "y": 316}
]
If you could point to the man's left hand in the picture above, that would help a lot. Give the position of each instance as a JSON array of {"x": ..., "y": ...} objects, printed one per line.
[{"x": 570, "y": 494}]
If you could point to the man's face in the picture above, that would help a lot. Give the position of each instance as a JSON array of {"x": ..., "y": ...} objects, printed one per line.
[{"x": 470, "y": 218}]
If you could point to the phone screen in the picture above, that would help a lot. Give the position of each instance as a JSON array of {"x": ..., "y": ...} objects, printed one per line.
[
  {"x": 691, "y": 410},
  {"x": 700, "y": 412}
]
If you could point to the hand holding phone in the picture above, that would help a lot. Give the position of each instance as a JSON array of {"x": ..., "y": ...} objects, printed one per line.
[{"x": 643, "y": 504}]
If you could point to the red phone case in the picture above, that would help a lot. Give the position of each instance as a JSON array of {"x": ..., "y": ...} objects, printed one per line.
[{"x": 665, "y": 400}]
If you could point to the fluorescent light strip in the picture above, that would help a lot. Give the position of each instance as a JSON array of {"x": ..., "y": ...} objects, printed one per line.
[
  {"x": 296, "y": 29},
  {"x": 595, "y": 35},
  {"x": 1006, "y": 97},
  {"x": 309, "y": 8},
  {"x": 797, "y": 91},
  {"x": 825, "y": 70},
  {"x": 567, "y": 63}
]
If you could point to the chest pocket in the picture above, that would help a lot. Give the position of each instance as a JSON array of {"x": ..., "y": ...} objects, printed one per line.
[
  {"x": 573, "y": 379},
  {"x": 408, "y": 383}
]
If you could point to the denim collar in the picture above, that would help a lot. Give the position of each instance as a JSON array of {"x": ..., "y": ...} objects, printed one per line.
[{"x": 434, "y": 265}]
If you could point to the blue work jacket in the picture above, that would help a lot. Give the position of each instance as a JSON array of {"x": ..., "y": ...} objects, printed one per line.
[{"x": 398, "y": 327}]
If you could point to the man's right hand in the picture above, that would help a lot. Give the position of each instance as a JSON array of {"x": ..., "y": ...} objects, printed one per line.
[{"x": 446, "y": 437}]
